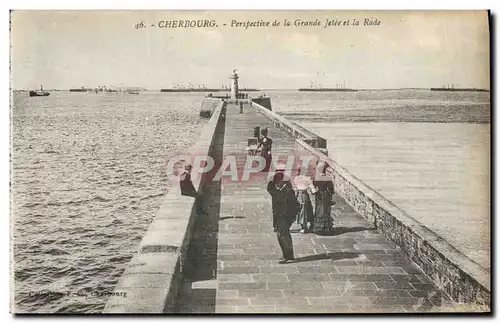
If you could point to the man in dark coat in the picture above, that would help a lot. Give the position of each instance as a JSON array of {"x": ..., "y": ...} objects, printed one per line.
[{"x": 285, "y": 208}]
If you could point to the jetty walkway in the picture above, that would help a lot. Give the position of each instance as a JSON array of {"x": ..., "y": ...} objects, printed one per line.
[{"x": 232, "y": 262}]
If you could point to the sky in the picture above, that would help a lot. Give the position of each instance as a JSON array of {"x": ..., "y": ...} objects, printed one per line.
[{"x": 66, "y": 49}]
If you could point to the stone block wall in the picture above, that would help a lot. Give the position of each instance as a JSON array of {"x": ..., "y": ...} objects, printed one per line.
[
  {"x": 208, "y": 106},
  {"x": 292, "y": 128},
  {"x": 152, "y": 280},
  {"x": 264, "y": 102}
]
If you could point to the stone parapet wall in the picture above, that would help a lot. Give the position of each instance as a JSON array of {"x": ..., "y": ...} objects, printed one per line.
[
  {"x": 208, "y": 106},
  {"x": 264, "y": 102},
  {"x": 152, "y": 280},
  {"x": 292, "y": 128}
]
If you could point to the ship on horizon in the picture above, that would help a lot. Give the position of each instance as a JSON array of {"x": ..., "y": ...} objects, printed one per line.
[
  {"x": 447, "y": 88},
  {"x": 108, "y": 89},
  {"x": 313, "y": 87},
  {"x": 202, "y": 88},
  {"x": 81, "y": 89}
]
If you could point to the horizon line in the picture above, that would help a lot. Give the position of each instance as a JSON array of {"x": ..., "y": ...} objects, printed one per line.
[{"x": 282, "y": 89}]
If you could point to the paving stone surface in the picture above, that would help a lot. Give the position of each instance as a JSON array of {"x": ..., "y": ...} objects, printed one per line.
[{"x": 233, "y": 259}]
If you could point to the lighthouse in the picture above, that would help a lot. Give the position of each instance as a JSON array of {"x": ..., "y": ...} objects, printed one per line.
[{"x": 234, "y": 85}]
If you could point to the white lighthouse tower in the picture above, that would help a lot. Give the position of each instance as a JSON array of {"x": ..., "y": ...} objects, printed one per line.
[{"x": 234, "y": 85}]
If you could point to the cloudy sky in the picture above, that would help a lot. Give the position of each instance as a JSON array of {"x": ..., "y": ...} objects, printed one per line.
[{"x": 64, "y": 49}]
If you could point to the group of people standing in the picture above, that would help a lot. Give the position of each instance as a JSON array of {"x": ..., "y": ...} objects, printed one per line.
[
  {"x": 291, "y": 202},
  {"x": 293, "y": 205},
  {"x": 317, "y": 220}
]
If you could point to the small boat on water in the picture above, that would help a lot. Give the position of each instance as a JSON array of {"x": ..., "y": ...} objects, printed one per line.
[
  {"x": 40, "y": 92},
  {"x": 133, "y": 92}
]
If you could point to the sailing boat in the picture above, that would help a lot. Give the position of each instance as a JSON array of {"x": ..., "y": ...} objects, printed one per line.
[{"x": 40, "y": 92}]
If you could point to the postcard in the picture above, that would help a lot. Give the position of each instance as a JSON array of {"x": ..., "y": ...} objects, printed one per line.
[{"x": 228, "y": 162}]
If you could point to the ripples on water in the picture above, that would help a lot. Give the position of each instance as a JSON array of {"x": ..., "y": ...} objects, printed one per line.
[
  {"x": 88, "y": 173},
  {"x": 385, "y": 106}
]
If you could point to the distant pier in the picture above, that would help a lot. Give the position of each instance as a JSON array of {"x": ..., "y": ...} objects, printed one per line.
[
  {"x": 327, "y": 90},
  {"x": 443, "y": 89}
]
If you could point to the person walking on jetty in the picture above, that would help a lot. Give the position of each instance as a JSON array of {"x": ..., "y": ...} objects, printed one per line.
[
  {"x": 305, "y": 217},
  {"x": 285, "y": 208},
  {"x": 323, "y": 191},
  {"x": 266, "y": 143}
]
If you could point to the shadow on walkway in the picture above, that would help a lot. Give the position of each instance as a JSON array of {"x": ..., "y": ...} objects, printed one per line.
[
  {"x": 341, "y": 230},
  {"x": 231, "y": 217},
  {"x": 333, "y": 256},
  {"x": 337, "y": 231}
]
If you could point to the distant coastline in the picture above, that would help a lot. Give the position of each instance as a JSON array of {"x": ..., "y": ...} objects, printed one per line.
[
  {"x": 206, "y": 90},
  {"x": 458, "y": 89},
  {"x": 282, "y": 90},
  {"x": 326, "y": 90}
]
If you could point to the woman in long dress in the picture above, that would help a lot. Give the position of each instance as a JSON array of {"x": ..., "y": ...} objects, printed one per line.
[
  {"x": 323, "y": 191},
  {"x": 305, "y": 217},
  {"x": 266, "y": 143}
]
